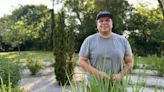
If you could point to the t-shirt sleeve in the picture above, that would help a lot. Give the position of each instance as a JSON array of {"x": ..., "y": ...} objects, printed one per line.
[
  {"x": 84, "y": 50},
  {"x": 128, "y": 50}
]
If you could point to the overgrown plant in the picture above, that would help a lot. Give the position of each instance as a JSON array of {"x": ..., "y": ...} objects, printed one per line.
[
  {"x": 98, "y": 85},
  {"x": 9, "y": 88},
  {"x": 13, "y": 68},
  {"x": 101, "y": 85},
  {"x": 34, "y": 65},
  {"x": 160, "y": 67},
  {"x": 63, "y": 42}
]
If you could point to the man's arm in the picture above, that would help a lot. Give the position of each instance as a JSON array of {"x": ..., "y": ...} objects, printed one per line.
[
  {"x": 128, "y": 66},
  {"x": 84, "y": 63}
]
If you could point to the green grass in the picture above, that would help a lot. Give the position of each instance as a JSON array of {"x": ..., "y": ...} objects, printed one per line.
[
  {"x": 48, "y": 55},
  {"x": 24, "y": 55},
  {"x": 151, "y": 62},
  {"x": 148, "y": 62}
]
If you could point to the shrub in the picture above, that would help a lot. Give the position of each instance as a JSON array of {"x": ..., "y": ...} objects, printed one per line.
[
  {"x": 63, "y": 71},
  {"x": 160, "y": 67},
  {"x": 63, "y": 46},
  {"x": 9, "y": 88},
  {"x": 34, "y": 65},
  {"x": 14, "y": 68}
]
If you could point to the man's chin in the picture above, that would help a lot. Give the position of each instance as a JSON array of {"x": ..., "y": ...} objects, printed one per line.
[{"x": 105, "y": 31}]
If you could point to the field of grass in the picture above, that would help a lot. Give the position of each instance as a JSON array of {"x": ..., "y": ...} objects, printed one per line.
[
  {"x": 48, "y": 56},
  {"x": 148, "y": 62},
  {"x": 24, "y": 55}
]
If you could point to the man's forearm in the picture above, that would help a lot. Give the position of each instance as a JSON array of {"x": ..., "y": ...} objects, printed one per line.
[
  {"x": 85, "y": 65},
  {"x": 93, "y": 70},
  {"x": 126, "y": 68},
  {"x": 128, "y": 64}
]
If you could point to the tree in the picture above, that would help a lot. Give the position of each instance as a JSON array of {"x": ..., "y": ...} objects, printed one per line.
[
  {"x": 161, "y": 4},
  {"x": 145, "y": 26},
  {"x": 63, "y": 39},
  {"x": 16, "y": 36},
  {"x": 85, "y": 11},
  {"x": 33, "y": 21}
]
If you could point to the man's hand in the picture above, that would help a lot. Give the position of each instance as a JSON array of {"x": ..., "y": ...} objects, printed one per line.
[
  {"x": 83, "y": 62},
  {"x": 117, "y": 77},
  {"x": 103, "y": 75}
]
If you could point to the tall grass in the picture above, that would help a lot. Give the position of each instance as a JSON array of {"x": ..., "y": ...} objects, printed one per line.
[
  {"x": 9, "y": 88},
  {"x": 102, "y": 85}
]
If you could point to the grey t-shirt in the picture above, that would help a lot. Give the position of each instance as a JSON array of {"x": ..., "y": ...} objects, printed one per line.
[{"x": 106, "y": 54}]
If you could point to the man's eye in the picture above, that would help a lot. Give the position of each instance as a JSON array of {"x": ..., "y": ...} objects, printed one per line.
[
  {"x": 107, "y": 20},
  {"x": 101, "y": 20}
]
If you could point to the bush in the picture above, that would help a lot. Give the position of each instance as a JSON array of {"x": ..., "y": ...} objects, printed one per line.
[
  {"x": 14, "y": 68},
  {"x": 160, "y": 67},
  {"x": 9, "y": 88},
  {"x": 64, "y": 72},
  {"x": 34, "y": 65},
  {"x": 63, "y": 40}
]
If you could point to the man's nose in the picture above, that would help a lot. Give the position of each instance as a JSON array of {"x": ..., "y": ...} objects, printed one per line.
[{"x": 104, "y": 22}]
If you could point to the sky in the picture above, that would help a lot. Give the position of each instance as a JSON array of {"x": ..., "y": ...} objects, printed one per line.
[{"x": 7, "y": 6}]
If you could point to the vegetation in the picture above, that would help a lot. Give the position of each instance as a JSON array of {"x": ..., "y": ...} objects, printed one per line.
[
  {"x": 30, "y": 29},
  {"x": 9, "y": 88},
  {"x": 24, "y": 55},
  {"x": 103, "y": 85},
  {"x": 13, "y": 68},
  {"x": 145, "y": 34},
  {"x": 34, "y": 65},
  {"x": 63, "y": 50},
  {"x": 152, "y": 62},
  {"x": 30, "y": 25}
]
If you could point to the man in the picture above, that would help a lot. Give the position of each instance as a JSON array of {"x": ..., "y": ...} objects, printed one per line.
[{"x": 105, "y": 53}]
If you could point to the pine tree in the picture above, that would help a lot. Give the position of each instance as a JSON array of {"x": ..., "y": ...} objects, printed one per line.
[{"x": 63, "y": 52}]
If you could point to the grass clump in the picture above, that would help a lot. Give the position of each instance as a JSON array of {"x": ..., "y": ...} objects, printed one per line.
[{"x": 34, "y": 65}]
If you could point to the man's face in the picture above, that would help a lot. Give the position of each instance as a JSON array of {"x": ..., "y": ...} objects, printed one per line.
[{"x": 104, "y": 25}]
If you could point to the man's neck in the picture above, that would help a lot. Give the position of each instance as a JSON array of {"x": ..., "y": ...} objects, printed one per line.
[{"x": 106, "y": 35}]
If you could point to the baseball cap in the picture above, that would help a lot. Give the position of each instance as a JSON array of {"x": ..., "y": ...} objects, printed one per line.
[{"x": 104, "y": 14}]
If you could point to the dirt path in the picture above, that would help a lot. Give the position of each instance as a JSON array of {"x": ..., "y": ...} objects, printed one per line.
[{"x": 44, "y": 81}]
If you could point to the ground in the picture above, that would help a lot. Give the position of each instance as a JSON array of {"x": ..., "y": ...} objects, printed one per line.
[{"x": 45, "y": 81}]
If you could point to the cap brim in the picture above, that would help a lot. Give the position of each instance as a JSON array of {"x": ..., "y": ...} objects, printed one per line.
[{"x": 104, "y": 15}]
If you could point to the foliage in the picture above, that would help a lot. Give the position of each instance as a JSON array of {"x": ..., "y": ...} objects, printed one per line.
[
  {"x": 9, "y": 88},
  {"x": 150, "y": 62},
  {"x": 28, "y": 24},
  {"x": 63, "y": 51},
  {"x": 146, "y": 31},
  {"x": 24, "y": 55},
  {"x": 34, "y": 65},
  {"x": 105, "y": 85},
  {"x": 8, "y": 67},
  {"x": 159, "y": 66}
]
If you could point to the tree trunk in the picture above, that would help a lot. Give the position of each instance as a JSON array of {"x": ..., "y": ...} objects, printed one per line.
[{"x": 161, "y": 6}]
